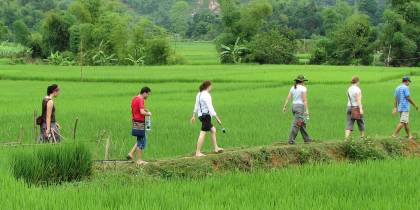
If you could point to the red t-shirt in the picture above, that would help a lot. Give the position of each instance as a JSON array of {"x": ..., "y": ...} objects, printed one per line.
[{"x": 136, "y": 104}]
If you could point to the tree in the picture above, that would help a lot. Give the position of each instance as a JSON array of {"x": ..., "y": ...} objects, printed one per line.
[
  {"x": 272, "y": 48},
  {"x": 370, "y": 8},
  {"x": 353, "y": 42},
  {"x": 4, "y": 32},
  {"x": 233, "y": 54},
  {"x": 56, "y": 32},
  {"x": 21, "y": 32},
  {"x": 179, "y": 17}
]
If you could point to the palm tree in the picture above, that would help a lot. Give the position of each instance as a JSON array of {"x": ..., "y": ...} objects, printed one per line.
[{"x": 234, "y": 54}]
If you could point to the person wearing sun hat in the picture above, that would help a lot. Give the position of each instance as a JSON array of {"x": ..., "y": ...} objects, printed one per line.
[
  {"x": 402, "y": 105},
  {"x": 300, "y": 109}
]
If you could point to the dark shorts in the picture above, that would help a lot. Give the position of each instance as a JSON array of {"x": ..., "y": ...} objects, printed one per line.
[
  {"x": 141, "y": 142},
  {"x": 350, "y": 122},
  {"x": 206, "y": 123}
]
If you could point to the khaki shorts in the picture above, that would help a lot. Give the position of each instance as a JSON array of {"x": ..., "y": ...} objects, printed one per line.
[{"x": 404, "y": 117}]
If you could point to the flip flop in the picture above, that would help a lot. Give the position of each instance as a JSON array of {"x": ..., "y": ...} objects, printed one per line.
[{"x": 129, "y": 157}]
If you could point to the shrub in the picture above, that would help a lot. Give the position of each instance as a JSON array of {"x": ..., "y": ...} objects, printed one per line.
[
  {"x": 272, "y": 48},
  {"x": 366, "y": 150},
  {"x": 157, "y": 51},
  {"x": 177, "y": 59},
  {"x": 53, "y": 164}
]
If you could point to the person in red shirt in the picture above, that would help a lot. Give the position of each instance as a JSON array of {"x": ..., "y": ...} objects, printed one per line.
[{"x": 138, "y": 112}]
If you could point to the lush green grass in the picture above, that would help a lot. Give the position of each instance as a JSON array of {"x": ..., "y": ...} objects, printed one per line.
[
  {"x": 251, "y": 111},
  {"x": 247, "y": 97},
  {"x": 202, "y": 53},
  {"x": 371, "y": 185}
]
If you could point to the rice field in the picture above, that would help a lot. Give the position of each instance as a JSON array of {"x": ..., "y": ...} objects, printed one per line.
[{"x": 249, "y": 100}]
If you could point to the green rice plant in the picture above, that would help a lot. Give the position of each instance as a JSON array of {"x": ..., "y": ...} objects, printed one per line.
[{"x": 53, "y": 164}]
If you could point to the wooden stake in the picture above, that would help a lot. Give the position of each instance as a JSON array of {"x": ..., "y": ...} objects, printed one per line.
[
  {"x": 75, "y": 129},
  {"x": 107, "y": 148},
  {"x": 35, "y": 127},
  {"x": 20, "y": 138}
]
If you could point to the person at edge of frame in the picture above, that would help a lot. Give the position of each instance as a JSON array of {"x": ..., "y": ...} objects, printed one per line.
[
  {"x": 402, "y": 106},
  {"x": 354, "y": 101},
  {"x": 138, "y": 113},
  {"x": 50, "y": 128},
  {"x": 298, "y": 96},
  {"x": 205, "y": 111}
]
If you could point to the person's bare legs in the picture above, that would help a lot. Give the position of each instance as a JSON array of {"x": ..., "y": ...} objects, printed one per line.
[
  {"x": 214, "y": 140},
  {"x": 200, "y": 143},
  {"x": 408, "y": 131},
  {"x": 397, "y": 130},
  {"x": 132, "y": 151},
  {"x": 140, "y": 161},
  {"x": 347, "y": 135}
]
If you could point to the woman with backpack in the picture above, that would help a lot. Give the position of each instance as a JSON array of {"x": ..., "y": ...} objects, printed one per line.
[
  {"x": 50, "y": 128},
  {"x": 205, "y": 111},
  {"x": 300, "y": 109}
]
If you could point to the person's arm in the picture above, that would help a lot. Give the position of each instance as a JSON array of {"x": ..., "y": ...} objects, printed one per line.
[
  {"x": 195, "y": 111},
  {"x": 359, "y": 102},
  {"x": 394, "y": 110},
  {"x": 305, "y": 101},
  {"x": 412, "y": 102},
  {"x": 212, "y": 111},
  {"x": 286, "y": 102},
  {"x": 50, "y": 105},
  {"x": 143, "y": 110}
]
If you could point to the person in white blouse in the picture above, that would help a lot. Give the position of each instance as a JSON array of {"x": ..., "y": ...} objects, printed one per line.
[{"x": 205, "y": 111}]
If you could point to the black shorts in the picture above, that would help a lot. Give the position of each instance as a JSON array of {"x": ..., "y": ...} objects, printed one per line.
[{"x": 206, "y": 123}]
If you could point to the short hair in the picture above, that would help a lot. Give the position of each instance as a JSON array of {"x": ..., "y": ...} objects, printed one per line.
[
  {"x": 205, "y": 85},
  {"x": 145, "y": 90},
  {"x": 355, "y": 79},
  {"x": 52, "y": 88}
]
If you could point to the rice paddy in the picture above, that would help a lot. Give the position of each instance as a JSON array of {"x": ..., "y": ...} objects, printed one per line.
[{"x": 249, "y": 100}]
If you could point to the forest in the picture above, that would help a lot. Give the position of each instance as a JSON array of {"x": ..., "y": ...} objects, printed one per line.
[{"x": 137, "y": 32}]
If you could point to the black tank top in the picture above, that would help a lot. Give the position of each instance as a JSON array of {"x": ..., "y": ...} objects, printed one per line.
[{"x": 44, "y": 110}]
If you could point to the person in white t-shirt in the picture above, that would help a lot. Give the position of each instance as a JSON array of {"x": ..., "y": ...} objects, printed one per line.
[
  {"x": 354, "y": 101},
  {"x": 300, "y": 109}
]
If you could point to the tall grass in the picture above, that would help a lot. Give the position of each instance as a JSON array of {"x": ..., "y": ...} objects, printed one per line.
[{"x": 53, "y": 164}]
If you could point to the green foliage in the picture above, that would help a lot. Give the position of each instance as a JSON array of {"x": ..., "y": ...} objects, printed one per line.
[
  {"x": 21, "y": 32},
  {"x": 233, "y": 54},
  {"x": 53, "y": 164},
  {"x": 157, "y": 51},
  {"x": 179, "y": 17},
  {"x": 13, "y": 50},
  {"x": 58, "y": 58},
  {"x": 351, "y": 43},
  {"x": 56, "y": 32},
  {"x": 360, "y": 151},
  {"x": 272, "y": 48}
]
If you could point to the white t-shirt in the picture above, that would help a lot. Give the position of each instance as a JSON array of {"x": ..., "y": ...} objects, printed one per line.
[
  {"x": 297, "y": 94},
  {"x": 353, "y": 91}
]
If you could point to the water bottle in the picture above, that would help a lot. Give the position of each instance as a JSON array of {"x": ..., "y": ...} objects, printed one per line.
[{"x": 148, "y": 123}]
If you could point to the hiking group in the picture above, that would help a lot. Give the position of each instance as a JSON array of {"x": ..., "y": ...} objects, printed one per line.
[{"x": 205, "y": 111}]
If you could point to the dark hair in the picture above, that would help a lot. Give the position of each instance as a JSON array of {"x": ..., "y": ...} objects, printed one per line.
[
  {"x": 52, "y": 88},
  {"x": 206, "y": 84},
  {"x": 145, "y": 90},
  {"x": 297, "y": 82}
]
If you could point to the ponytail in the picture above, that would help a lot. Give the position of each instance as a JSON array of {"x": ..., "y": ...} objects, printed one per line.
[{"x": 204, "y": 85}]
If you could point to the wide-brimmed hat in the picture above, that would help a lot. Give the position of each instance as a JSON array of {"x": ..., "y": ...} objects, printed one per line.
[
  {"x": 406, "y": 78},
  {"x": 301, "y": 78}
]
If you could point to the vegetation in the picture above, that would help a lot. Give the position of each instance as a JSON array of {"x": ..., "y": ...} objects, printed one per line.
[
  {"x": 237, "y": 89},
  {"x": 52, "y": 164}
]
